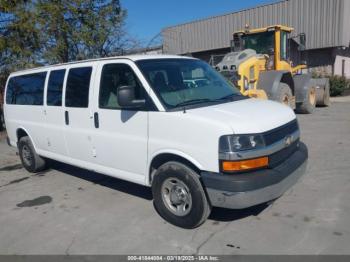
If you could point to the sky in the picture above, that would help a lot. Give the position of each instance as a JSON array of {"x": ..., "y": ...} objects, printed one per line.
[{"x": 146, "y": 18}]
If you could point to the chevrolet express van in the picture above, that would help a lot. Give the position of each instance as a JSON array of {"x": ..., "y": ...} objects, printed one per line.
[{"x": 168, "y": 122}]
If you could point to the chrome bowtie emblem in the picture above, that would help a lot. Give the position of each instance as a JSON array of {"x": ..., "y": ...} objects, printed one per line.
[{"x": 288, "y": 140}]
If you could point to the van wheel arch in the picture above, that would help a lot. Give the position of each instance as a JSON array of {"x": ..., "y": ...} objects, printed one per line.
[
  {"x": 163, "y": 158},
  {"x": 21, "y": 133}
]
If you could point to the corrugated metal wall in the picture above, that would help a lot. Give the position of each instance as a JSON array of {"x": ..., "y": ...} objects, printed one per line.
[{"x": 325, "y": 22}]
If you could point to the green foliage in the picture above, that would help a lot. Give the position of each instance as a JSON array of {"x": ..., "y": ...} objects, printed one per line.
[
  {"x": 338, "y": 84},
  {"x": 19, "y": 42},
  {"x": 19, "y": 39},
  {"x": 56, "y": 31},
  {"x": 80, "y": 29}
]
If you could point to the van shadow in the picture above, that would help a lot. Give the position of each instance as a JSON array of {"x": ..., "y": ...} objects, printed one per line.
[
  {"x": 228, "y": 215},
  {"x": 103, "y": 180}
]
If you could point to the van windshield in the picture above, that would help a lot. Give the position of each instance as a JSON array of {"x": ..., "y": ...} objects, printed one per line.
[{"x": 185, "y": 82}]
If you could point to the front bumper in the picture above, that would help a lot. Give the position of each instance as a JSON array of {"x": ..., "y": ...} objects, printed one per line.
[{"x": 238, "y": 191}]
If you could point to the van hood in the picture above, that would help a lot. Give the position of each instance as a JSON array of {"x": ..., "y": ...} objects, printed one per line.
[{"x": 247, "y": 116}]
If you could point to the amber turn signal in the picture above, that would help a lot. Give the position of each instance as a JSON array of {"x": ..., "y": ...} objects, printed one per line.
[{"x": 231, "y": 166}]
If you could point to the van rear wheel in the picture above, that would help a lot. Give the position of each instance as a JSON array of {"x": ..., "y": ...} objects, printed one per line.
[
  {"x": 179, "y": 196},
  {"x": 31, "y": 161}
]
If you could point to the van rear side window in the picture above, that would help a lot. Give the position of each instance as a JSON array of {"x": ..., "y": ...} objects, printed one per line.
[
  {"x": 26, "y": 89},
  {"x": 54, "y": 88},
  {"x": 77, "y": 89}
]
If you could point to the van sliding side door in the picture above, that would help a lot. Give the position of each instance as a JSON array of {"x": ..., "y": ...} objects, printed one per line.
[
  {"x": 54, "y": 113},
  {"x": 77, "y": 113}
]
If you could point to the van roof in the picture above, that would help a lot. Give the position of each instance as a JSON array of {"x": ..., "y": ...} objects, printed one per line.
[{"x": 130, "y": 57}]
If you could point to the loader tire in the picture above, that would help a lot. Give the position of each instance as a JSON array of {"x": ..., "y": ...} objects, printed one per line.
[
  {"x": 323, "y": 96},
  {"x": 284, "y": 95},
  {"x": 308, "y": 106}
]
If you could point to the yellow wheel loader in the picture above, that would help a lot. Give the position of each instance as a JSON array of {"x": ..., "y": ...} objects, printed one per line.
[{"x": 260, "y": 66}]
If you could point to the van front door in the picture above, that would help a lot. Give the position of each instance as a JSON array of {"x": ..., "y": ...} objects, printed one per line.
[{"x": 120, "y": 136}]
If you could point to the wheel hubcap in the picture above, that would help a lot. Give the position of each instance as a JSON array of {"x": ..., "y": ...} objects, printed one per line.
[
  {"x": 26, "y": 155},
  {"x": 176, "y": 196}
]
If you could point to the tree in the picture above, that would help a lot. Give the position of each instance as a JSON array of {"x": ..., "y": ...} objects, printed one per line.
[
  {"x": 19, "y": 38},
  {"x": 81, "y": 28},
  {"x": 56, "y": 31}
]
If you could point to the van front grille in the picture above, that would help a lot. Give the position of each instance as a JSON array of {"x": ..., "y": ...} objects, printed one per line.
[
  {"x": 282, "y": 155},
  {"x": 280, "y": 133}
]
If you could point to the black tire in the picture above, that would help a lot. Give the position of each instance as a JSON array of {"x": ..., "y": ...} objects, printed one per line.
[
  {"x": 309, "y": 104},
  {"x": 199, "y": 209},
  {"x": 322, "y": 91},
  {"x": 31, "y": 161},
  {"x": 326, "y": 97},
  {"x": 284, "y": 95},
  {"x": 323, "y": 96},
  {"x": 2, "y": 121}
]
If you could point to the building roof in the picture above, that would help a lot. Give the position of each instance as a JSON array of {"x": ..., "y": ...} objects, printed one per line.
[{"x": 323, "y": 21}]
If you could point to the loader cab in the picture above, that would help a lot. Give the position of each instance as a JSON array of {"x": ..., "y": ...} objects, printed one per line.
[{"x": 272, "y": 41}]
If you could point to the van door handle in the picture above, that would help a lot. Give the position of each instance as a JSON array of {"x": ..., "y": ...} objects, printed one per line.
[
  {"x": 66, "y": 117},
  {"x": 96, "y": 121}
]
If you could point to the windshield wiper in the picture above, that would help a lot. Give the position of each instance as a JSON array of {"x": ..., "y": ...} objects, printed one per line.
[
  {"x": 194, "y": 101},
  {"x": 205, "y": 100},
  {"x": 227, "y": 97}
]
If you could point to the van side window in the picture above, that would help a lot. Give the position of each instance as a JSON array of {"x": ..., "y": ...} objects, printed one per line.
[
  {"x": 54, "y": 88},
  {"x": 26, "y": 89},
  {"x": 114, "y": 76},
  {"x": 77, "y": 89}
]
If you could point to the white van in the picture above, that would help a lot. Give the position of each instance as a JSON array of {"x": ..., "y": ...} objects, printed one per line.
[{"x": 147, "y": 119}]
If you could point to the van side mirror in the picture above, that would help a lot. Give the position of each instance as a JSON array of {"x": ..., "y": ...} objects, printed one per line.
[
  {"x": 126, "y": 98},
  {"x": 302, "y": 42}
]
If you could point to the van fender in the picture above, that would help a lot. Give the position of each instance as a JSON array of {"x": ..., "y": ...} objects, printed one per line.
[
  {"x": 269, "y": 81},
  {"x": 173, "y": 152},
  {"x": 30, "y": 137}
]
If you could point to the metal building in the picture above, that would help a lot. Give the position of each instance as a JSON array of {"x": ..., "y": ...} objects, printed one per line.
[{"x": 326, "y": 24}]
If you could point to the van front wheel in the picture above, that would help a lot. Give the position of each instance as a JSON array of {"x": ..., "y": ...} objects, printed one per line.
[
  {"x": 179, "y": 196},
  {"x": 31, "y": 161}
]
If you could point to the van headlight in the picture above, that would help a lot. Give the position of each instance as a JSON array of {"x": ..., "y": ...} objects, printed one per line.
[{"x": 236, "y": 143}]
